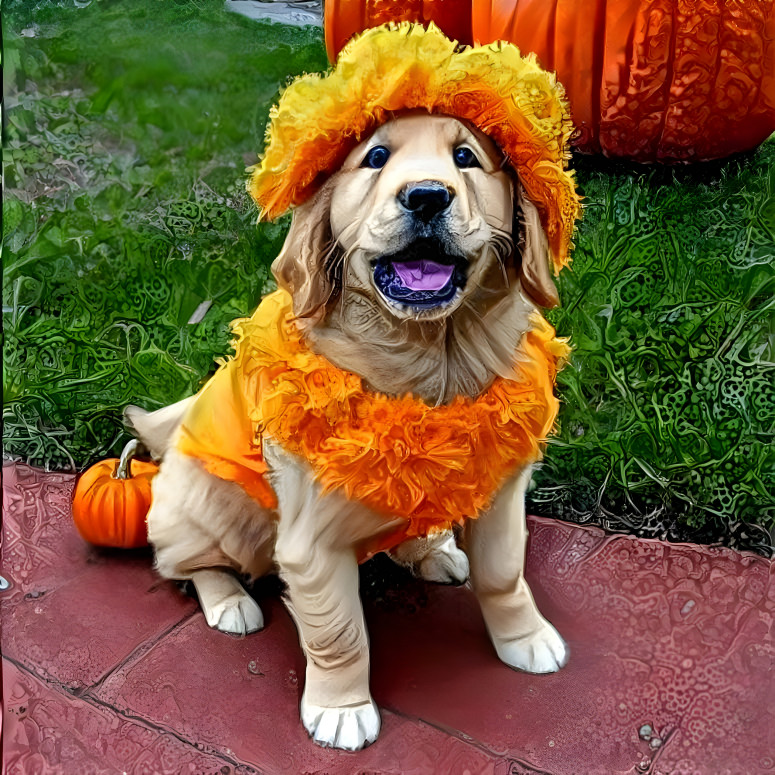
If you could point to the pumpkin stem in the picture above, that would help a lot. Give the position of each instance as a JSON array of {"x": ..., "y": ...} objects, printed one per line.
[{"x": 123, "y": 469}]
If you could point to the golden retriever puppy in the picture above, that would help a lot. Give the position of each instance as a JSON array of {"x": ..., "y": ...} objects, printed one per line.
[
  {"x": 402, "y": 270},
  {"x": 400, "y": 380}
]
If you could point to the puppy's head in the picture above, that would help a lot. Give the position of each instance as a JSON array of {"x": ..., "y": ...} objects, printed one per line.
[{"x": 422, "y": 217}]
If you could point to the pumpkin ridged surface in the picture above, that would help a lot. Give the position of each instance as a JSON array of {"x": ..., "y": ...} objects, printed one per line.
[
  {"x": 343, "y": 18},
  {"x": 648, "y": 80},
  {"x": 674, "y": 80},
  {"x": 634, "y": 96},
  {"x": 690, "y": 113}
]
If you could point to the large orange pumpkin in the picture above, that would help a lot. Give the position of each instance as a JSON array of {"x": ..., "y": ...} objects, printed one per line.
[
  {"x": 647, "y": 80},
  {"x": 110, "y": 504},
  {"x": 344, "y": 18}
]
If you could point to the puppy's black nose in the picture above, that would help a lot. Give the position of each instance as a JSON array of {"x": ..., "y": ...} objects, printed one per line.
[{"x": 426, "y": 199}]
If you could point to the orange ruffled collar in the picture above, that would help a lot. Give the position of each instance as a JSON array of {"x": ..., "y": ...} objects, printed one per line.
[{"x": 431, "y": 465}]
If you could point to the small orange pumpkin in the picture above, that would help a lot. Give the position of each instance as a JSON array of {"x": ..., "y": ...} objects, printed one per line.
[{"x": 110, "y": 504}]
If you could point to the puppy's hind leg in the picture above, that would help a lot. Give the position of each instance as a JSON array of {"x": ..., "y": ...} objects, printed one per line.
[
  {"x": 434, "y": 558},
  {"x": 226, "y": 605},
  {"x": 202, "y": 528}
]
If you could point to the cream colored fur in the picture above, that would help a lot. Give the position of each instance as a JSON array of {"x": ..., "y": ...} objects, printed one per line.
[{"x": 206, "y": 529}]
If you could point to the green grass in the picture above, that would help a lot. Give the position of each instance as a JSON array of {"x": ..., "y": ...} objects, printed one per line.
[
  {"x": 125, "y": 210},
  {"x": 669, "y": 400}
]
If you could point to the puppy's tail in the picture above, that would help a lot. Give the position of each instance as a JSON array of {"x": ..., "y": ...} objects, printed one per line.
[{"x": 156, "y": 429}]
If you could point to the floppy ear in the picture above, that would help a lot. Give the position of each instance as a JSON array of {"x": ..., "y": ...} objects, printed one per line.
[
  {"x": 301, "y": 267},
  {"x": 536, "y": 278}
]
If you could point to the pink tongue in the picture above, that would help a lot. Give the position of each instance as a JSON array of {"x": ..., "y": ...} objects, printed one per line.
[{"x": 423, "y": 275}]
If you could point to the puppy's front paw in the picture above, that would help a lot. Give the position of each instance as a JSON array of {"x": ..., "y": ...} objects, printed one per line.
[
  {"x": 237, "y": 614},
  {"x": 541, "y": 651},
  {"x": 445, "y": 565},
  {"x": 350, "y": 728}
]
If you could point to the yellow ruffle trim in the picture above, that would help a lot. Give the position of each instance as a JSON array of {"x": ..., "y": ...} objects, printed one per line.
[
  {"x": 400, "y": 67},
  {"x": 430, "y": 465}
]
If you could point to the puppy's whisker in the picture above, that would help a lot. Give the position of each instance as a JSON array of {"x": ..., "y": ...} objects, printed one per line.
[
  {"x": 330, "y": 251},
  {"x": 332, "y": 263},
  {"x": 503, "y": 247},
  {"x": 503, "y": 243},
  {"x": 349, "y": 233},
  {"x": 345, "y": 257},
  {"x": 501, "y": 256},
  {"x": 504, "y": 273},
  {"x": 468, "y": 304},
  {"x": 334, "y": 258}
]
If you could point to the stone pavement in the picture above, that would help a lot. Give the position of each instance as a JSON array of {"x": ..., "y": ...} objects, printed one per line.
[
  {"x": 108, "y": 669},
  {"x": 300, "y": 13}
]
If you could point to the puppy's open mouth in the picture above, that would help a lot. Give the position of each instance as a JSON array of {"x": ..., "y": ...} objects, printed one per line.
[{"x": 421, "y": 275}]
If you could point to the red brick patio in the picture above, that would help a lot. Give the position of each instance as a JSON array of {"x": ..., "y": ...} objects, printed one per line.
[{"x": 108, "y": 669}]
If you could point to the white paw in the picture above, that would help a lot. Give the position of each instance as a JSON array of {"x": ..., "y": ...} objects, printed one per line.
[
  {"x": 542, "y": 651},
  {"x": 445, "y": 564},
  {"x": 237, "y": 614},
  {"x": 350, "y": 728}
]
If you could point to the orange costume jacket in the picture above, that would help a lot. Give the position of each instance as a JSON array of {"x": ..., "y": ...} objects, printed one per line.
[{"x": 430, "y": 465}]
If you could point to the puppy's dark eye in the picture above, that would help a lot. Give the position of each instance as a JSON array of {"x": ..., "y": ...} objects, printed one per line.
[
  {"x": 464, "y": 157},
  {"x": 376, "y": 158}
]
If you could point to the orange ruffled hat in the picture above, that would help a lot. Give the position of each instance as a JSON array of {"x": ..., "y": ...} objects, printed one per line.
[{"x": 399, "y": 67}]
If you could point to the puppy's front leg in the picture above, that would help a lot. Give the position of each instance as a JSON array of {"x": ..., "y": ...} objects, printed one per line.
[
  {"x": 315, "y": 554},
  {"x": 496, "y": 543},
  {"x": 336, "y": 709}
]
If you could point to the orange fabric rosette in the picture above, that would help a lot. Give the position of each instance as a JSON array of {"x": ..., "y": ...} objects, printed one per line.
[{"x": 432, "y": 466}]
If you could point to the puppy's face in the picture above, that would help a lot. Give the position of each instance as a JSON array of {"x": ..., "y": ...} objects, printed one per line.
[{"x": 421, "y": 210}]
